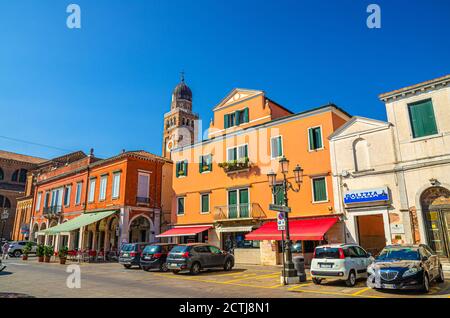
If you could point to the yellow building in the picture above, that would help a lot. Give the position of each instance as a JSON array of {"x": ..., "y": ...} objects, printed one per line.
[{"x": 221, "y": 190}]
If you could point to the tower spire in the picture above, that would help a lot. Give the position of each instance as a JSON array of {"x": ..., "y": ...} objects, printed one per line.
[{"x": 182, "y": 76}]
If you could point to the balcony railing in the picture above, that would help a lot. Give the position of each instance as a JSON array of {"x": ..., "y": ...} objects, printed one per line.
[
  {"x": 239, "y": 211},
  {"x": 143, "y": 200},
  {"x": 236, "y": 165},
  {"x": 52, "y": 211}
]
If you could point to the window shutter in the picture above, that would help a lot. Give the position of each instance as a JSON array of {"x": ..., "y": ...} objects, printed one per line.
[
  {"x": 320, "y": 191},
  {"x": 246, "y": 115},
  {"x": 237, "y": 119},
  {"x": 273, "y": 147},
  {"x": 318, "y": 138},
  {"x": 225, "y": 121},
  {"x": 185, "y": 163},
  {"x": 311, "y": 139},
  {"x": 423, "y": 122},
  {"x": 177, "y": 169},
  {"x": 210, "y": 163},
  {"x": 200, "y": 164},
  {"x": 280, "y": 147}
]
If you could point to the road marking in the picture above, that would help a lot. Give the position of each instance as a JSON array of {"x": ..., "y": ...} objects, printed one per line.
[
  {"x": 17, "y": 264},
  {"x": 300, "y": 286},
  {"x": 253, "y": 277},
  {"x": 332, "y": 293},
  {"x": 359, "y": 292}
]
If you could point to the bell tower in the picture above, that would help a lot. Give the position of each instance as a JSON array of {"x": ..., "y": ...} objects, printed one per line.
[{"x": 180, "y": 124}]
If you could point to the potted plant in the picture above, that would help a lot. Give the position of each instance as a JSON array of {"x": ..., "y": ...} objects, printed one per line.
[
  {"x": 48, "y": 253},
  {"x": 26, "y": 250},
  {"x": 63, "y": 255},
  {"x": 40, "y": 251}
]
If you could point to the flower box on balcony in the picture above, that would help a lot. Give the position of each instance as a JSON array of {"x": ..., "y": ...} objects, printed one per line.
[{"x": 235, "y": 165}]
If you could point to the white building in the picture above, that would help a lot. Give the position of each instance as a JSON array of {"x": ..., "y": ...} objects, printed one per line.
[{"x": 392, "y": 179}]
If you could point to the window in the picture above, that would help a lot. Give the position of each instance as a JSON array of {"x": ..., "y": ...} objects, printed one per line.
[
  {"x": 78, "y": 193},
  {"x": 180, "y": 206},
  {"x": 237, "y": 153},
  {"x": 319, "y": 189},
  {"x": 421, "y": 116},
  {"x": 205, "y": 163},
  {"x": 143, "y": 185},
  {"x": 57, "y": 199},
  {"x": 238, "y": 204},
  {"x": 214, "y": 250},
  {"x": 205, "y": 203},
  {"x": 181, "y": 168},
  {"x": 19, "y": 175},
  {"x": 67, "y": 194},
  {"x": 278, "y": 197},
  {"x": 361, "y": 155},
  {"x": 315, "y": 138},
  {"x": 46, "y": 199},
  {"x": 103, "y": 185},
  {"x": 116, "y": 185},
  {"x": 276, "y": 146},
  {"x": 236, "y": 118},
  {"x": 91, "y": 190},
  {"x": 38, "y": 201},
  {"x": 237, "y": 240}
]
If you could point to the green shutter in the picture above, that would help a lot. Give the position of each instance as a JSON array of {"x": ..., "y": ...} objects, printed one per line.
[
  {"x": 200, "y": 165},
  {"x": 280, "y": 147},
  {"x": 423, "y": 122},
  {"x": 185, "y": 164},
  {"x": 177, "y": 169},
  {"x": 237, "y": 119},
  {"x": 246, "y": 118},
  {"x": 226, "y": 121},
  {"x": 205, "y": 203},
  {"x": 232, "y": 204},
  {"x": 243, "y": 203},
  {"x": 311, "y": 139},
  {"x": 318, "y": 137},
  {"x": 210, "y": 162},
  {"x": 319, "y": 189}
]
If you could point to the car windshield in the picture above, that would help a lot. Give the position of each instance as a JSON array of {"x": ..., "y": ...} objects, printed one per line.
[
  {"x": 409, "y": 254},
  {"x": 150, "y": 249},
  {"x": 128, "y": 248},
  {"x": 327, "y": 252},
  {"x": 180, "y": 249}
]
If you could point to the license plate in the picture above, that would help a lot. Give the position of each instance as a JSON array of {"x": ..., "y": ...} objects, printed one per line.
[
  {"x": 174, "y": 265},
  {"x": 147, "y": 257},
  {"x": 389, "y": 286},
  {"x": 326, "y": 265},
  {"x": 125, "y": 255}
]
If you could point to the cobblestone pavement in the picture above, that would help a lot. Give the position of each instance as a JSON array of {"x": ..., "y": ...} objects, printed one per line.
[{"x": 31, "y": 278}]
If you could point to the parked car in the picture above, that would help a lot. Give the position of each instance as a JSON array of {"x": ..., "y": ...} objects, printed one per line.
[
  {"x": 155, "y": 255},
  {"x": 346, "y": 262},
  {"x": 16, "y": 248},
  {"x": 405, "y": 267},
  {"x": 197, "y": 256},
  {"x": 130, "y": 254}
]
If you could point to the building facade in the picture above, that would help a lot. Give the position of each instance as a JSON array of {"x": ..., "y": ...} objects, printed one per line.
[
  {"x": 13, "y": 176},
  {"x": 221, "y": 187},
  {"x": 100, "y": 204},
  {"x": 392, "y": 178}
]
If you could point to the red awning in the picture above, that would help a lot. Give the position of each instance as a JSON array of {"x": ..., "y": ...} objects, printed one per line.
[
  {"x": 184, "y": 231},
  {"x": 302, "y": 230}
]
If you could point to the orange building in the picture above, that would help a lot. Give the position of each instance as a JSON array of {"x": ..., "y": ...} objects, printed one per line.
[
  {"x": 221, "y": 186},
  {"x": 99, "y": 204}
]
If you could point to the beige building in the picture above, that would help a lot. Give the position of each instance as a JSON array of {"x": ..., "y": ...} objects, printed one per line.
[{"x": 393, "y": 178}]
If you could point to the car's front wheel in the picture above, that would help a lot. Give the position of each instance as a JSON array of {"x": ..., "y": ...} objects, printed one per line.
[
  {"x": 351, "y": 280},
  {"x": 17, "y": 253},
  {"x": 146, "y": 268},
  {"x": 426, "y": 283},
  {"x": 440, "y": 278},
  {"x": 228, "y": 265}
]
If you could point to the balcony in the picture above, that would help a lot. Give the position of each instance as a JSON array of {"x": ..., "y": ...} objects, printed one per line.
[
  {"x": 51, "y": 212},
  {"x": 236, "y": 166},
  {"x": 143, "y": 201},
  {"x": 238, "y": 212}
]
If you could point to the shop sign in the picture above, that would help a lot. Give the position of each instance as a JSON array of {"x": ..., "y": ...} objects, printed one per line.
[
  {"x": 24, "y": 229},
  {"x": 279, "y": 208},
  {"x": 367, "y": 196},
  {"x": 397, "y": 229},
  {"x": 281, "y": 221}
]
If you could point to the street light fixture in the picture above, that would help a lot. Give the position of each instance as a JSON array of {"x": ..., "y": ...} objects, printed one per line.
[{"x": 289, "y": 271}]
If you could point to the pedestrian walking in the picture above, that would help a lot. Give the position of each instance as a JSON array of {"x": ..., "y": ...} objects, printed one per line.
[{"x": 5, "y": 249}]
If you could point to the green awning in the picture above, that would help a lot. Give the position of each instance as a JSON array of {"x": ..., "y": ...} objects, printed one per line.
[{"x": 78, "y": 222}]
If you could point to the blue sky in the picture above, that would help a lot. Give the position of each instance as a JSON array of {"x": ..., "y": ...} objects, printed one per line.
[{"x": 108, "y": 84}]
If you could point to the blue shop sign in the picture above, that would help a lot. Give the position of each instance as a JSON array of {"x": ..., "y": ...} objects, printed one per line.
[{"x": 367, "y": 196}]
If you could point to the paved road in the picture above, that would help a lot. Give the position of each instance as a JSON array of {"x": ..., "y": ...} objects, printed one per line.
[{"x": 112, "y": 280}]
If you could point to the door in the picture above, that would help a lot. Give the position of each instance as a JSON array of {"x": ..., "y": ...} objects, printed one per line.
[
  {"x": 217, "y": 257},
  {"x": 232, "y": 204},
  {"x": 438, "y": 222},
  {"x": 371, "y": 235},
  {"x": 243, "y": 203}
]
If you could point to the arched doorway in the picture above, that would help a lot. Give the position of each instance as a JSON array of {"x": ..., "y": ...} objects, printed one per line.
[
  {"x": 435, "y": 204},
  {"x": 113, "y": 233},
  {"x": 34, "y": 236},
  {"x": 140, "y": 230},
  {"x": 41, "y": 238},
  {"x": 52, "y": 238}
]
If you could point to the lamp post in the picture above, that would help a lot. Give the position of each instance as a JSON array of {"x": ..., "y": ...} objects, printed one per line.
[{"x": 289, "y": 270}]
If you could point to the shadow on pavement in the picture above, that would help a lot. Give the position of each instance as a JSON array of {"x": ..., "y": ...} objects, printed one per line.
[
  {"x": 15, "y": 295},
  {"x": 5, "y": 273}
]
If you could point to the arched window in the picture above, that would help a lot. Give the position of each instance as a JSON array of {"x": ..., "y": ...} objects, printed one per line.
[
  {"x": 361, "y": 155},
  {"x": 19, "y": 175},
  {"x": 187, "y": 122},
  {"x": 4, "y": 202},
  {"x": 183, "y": 121},
  {"x": 2, "y": 175}
]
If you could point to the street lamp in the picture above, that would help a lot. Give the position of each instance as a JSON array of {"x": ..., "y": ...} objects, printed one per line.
[{"x": 289, "y": 271}]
